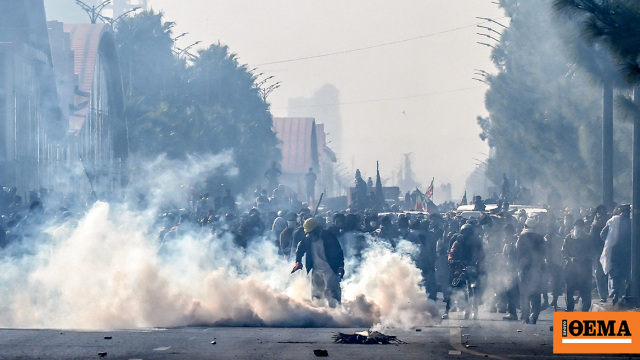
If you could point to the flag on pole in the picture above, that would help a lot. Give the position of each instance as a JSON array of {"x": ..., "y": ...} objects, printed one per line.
[
  {"x": 429, "y": 192},
  {"x": 464, "y": 199},
  {"x": 418, "y": 195},
  {"x": 423, "y": 203}
]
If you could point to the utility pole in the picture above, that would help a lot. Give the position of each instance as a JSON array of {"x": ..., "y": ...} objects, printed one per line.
[
  {"x": 635, "y": 207},
  {"x": 607, "y": 145}
]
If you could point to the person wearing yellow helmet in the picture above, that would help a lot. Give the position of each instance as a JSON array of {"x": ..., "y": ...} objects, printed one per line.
[{"x": 324, "y": 260}]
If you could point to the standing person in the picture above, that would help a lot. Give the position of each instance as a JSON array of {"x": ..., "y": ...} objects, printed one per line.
[
  {"x": 465, "y": 251},
  {"x": 430, "y": 247},
  {"x": 359, "y": 197},
  {"x": 277, "y": 226},
  {"x": 577, "y": 251},
  {"x": 506, "y": 188},
  {"x": 616, "y": 258},
  {"x": 228, "y": 202},
  {"x": 511, "y": 293},
  {"x": 324, "y": 260},
  {"x": 425, "y": 257},
  {"x": 555, "y": 263},
  {"x": 478, "y": 204},
  {"x": 310, "y": 182},
  {"x": 530, "y": 254},
  {"x": 272, "y": 175},
  {"x": 600, "y": 219},
  {"x": 286, "y": 236}
]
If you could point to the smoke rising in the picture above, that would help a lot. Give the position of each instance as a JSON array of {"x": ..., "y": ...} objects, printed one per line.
[{"x": 108, "y": 268}]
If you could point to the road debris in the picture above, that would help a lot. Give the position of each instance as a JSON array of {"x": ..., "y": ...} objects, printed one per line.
[
  {"x": 108, "y": 337},
  {"x": 321, "y": 352},
  {"x": 367, "y": 337},
  {"x": 213, "y": 342},
  {"x": 102, "y": 354}
]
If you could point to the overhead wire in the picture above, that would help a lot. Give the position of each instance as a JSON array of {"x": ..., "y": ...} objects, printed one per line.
[
  {"x": 376, "y": 45},
  {"x": 373, "y": 47}
]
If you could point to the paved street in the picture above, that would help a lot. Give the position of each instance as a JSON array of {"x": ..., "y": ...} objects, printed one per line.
[{"x": 488, "y": 337}]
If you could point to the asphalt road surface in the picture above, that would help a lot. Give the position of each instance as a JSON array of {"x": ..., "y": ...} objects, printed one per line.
[{"x": 488, "y": 337}]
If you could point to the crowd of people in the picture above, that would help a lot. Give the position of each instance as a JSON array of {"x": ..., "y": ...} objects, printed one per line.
[{"x": 520, "y": 257}]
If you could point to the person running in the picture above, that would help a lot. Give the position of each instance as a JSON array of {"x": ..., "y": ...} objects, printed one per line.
[{"x": 324, "y": 260}]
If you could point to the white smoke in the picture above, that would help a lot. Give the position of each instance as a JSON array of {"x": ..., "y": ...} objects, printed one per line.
[{"x": 106, "y": 270}]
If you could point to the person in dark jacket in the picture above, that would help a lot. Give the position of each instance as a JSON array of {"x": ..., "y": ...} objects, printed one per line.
[
  {"x": 324, "y": 260},
  {"x": 577, "y": 251},
  {"x": 511, "y": 293},
  {"x": 286, "y": 236},
  {"x": 466, "y": 251},
  {"x": 530, "y": 250}
]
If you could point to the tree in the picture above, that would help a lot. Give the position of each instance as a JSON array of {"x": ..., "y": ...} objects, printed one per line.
[
  {"x": 615, "y": 24},
  {"x": 179, "y": 108},
  {"x": 543, "y": 121}
]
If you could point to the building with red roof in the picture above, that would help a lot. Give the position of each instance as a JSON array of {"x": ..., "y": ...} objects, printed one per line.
[{"x": 303, "y": 146}]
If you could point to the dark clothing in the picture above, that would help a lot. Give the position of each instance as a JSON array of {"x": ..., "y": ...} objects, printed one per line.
[
  {"x": 310, "y": 182},
  {"x": 479, "y": 206},
  {"x": 332, "y": 251},
  {"x": 272, "y": 176},
  {"x": 530, "y": 250},
  {"x": 577, "y": 252},
  {"x": 360, "y": 196},
  {"x": 228, "y": 203},
  {"x": 388, "y": 233},
  {"x": 298, "y": 236},
  {"x": 286, "y": 242},
  {"x": 466, "y": 251}
]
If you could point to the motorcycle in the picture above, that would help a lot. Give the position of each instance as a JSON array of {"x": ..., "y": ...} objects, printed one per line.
[{"x": 469, "y": 276}]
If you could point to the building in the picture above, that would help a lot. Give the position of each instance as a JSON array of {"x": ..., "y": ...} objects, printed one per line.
[
  {"x": 32, "y": 128},
  {"x": 303, "y": 146},
  {"x": 97, "y": 133},
  {"x": 61, "y": 103}
]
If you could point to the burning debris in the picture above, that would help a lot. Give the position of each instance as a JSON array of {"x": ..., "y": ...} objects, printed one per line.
[{"x": 367, "y": 337}]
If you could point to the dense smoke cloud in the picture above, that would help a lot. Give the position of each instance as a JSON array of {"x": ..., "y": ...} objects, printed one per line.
[{"x": 109, "y": 268}]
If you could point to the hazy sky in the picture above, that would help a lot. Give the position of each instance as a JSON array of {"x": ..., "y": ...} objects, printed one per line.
[{"x": 415, "y": 94}]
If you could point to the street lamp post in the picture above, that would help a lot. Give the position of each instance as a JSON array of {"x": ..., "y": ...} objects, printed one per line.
[
  {"x": 113, "y": 21},
  {"x": 93, "y": 11},
  {"x": 635, "y": 217}
]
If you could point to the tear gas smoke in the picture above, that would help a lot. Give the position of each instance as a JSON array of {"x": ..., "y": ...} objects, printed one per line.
[{"x": 110, "y": 269}]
